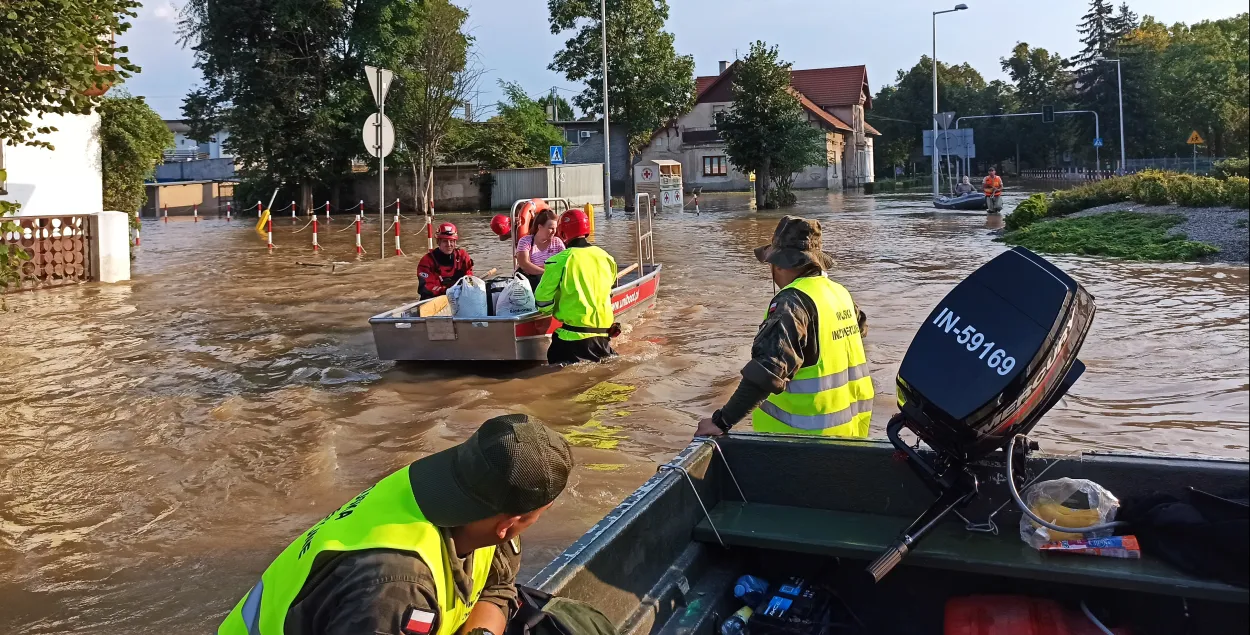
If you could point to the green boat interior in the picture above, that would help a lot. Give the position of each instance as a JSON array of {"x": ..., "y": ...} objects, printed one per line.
[{"x": 664, "y": 562}]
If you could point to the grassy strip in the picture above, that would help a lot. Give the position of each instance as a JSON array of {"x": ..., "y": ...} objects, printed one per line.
[{"x": 1127, "y": 235}]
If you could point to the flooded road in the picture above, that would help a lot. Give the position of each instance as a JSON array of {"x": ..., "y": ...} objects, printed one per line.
[{"x": 161, "y": 440}]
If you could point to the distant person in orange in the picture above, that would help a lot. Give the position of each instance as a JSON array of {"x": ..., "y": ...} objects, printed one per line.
[{"x": 993, "y": 188}]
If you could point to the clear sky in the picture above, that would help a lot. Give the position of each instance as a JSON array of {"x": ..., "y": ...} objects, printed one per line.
[{"x": 514, "y": 42}]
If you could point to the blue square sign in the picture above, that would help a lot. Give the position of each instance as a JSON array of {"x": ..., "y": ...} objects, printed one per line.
[
  {"x": 557, "y": 155},
  {"x": 1097, "y": 142}
]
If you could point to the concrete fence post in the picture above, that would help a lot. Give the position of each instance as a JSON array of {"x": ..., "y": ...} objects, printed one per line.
[{"x": 110, "y": 246}]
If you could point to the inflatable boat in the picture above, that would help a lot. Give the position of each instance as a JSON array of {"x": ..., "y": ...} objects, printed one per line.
[{"x": 971, "y": 200}]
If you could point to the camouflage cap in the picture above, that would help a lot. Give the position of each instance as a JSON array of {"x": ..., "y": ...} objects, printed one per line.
[
  {"x": 796, "y": 243},
  {"x": 511, "y": 465}
]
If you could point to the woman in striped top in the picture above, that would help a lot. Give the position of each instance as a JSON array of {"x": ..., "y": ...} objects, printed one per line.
[{"x": 532, "y": 251}]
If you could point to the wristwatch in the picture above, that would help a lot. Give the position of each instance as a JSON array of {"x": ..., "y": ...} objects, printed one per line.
[{"x": 719, "y": 421}]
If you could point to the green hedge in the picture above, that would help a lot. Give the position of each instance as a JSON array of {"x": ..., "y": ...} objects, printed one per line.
[
  {"x": 1150, "y": 187},
  {"x": 1232, "y": 167}
]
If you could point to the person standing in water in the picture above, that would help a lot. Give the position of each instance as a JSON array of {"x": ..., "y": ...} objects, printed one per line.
[
  {"x": 993, "y": 188},
  {"x": 535, "y": 248}
]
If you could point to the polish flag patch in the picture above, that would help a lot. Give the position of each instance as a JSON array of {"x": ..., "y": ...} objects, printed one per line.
[{"x": 418, "y": 622}]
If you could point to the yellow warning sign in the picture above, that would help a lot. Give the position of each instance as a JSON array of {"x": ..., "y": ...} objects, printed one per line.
[{"x": 1195, "y": 139}]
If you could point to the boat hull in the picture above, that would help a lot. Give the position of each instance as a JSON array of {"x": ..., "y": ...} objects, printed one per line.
[
  {"x": 971, "y": 201},
  {"x": 401, "y": 334}
]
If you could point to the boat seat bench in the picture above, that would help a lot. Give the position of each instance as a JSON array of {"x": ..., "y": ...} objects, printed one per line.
[{"x": 949, "y": 547}]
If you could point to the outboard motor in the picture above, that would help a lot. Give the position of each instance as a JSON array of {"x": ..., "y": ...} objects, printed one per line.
[{"x": 993, "y": 357}]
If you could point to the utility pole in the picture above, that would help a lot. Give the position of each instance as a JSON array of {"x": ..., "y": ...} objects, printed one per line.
[
  {"x": 958, "y": 7},
  {"x": 607, "y": 137}
]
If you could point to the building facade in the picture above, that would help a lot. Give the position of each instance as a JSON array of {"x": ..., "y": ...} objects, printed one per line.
[
  {"x": 834, "y": 100},
  {"x": 585, "y": 145}
]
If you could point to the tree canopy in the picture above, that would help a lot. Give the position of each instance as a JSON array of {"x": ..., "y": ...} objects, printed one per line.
[
  {"x": 519, "y": 136},
  {"x": 55, "y": 55},
  {"x": 649, "y": 84},
  {"x": 766, "y": 131}
]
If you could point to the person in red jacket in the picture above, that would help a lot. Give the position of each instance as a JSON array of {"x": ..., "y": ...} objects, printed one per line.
[{"x": 444, "y": 265}]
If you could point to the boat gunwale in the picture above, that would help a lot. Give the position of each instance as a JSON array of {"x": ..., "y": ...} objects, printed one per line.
[{"x": 388, "y": 317}]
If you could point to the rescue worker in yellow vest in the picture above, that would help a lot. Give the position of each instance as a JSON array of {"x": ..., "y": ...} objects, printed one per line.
[
  {"x": 431, "y": 549},
  {"x": 808, "y": 373},
  {"x": 576, "y": 288}
]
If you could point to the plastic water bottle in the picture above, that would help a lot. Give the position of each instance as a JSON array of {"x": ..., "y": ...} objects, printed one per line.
[
  {"x": 737, "y": 623},
  {"x": 750, "y": 589}
]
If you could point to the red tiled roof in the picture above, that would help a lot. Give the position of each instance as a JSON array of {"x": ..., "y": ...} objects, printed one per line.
[
  {"x": 822, "y": 114},
  {"x": 840, "y": 86},
  {"x": 701, "y": 83},
  {"x": 869, "y": 130}
]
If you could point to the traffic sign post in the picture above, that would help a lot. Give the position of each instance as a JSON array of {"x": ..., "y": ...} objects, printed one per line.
[
  {"x": 1195, "y": 140},
  {"x": 379, "y": 136},
  {"x": 557, "y": 155},
  {"x": 1098, "y": 142}
]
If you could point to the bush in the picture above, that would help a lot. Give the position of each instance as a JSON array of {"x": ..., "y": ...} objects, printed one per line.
[
  {"x": 1029, "y": 211},
  {"x": 1187, "y": 190},
  {"x": 1150, "y": 188},
  {"x": 1114, "y": 190},
  {"x": 1232, "y": 167},
  {"x": 1237, "y": 192}
]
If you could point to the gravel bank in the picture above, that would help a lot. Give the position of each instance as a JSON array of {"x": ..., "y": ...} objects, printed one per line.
[{"x": 1212, "y": 225}]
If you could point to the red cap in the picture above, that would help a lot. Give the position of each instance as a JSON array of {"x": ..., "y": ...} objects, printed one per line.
[
  {"x": 447, "y": 230},
  {"x": 501, "y": 225},
  {"x": 573, "y": 224}
]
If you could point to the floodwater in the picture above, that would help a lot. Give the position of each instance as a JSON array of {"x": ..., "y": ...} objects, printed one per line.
[{"x": 161, "y": 440}]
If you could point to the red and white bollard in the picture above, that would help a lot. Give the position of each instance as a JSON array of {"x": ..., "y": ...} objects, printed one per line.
[
  {"x": 429, "y": 227},
  {"x": 316, "y": 246},
  {"x": 292, "y": 211},
  {"x": 359, "y": 249},
  {"x": 165, "y": 208},
  {"x": 398, "y": 251},
  {"x": 136, "y": 237},
  {"x": 327, "y": 211},
  {"x": 195, "y": 211},
  {"x": 260, "y": 209},
  {"x": 269, "y": 232},
  {"x": 362, "y": 209},
  {"x": 227, "y": 212}
]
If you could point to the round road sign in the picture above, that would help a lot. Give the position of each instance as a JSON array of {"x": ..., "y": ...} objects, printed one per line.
[{"x": 376, "y": 147}]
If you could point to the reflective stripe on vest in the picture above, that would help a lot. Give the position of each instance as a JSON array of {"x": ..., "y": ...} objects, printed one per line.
[
  {"x": 584, "y": 297},
  {"x": 384, "y": 516},
  {"x": 833, "y": 396}
]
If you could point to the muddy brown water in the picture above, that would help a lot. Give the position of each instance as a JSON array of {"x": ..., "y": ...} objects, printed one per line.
[{"x": 162, "y": 439}]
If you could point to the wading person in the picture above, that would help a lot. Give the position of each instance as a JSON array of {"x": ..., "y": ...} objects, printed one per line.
[
  {"x": 444, "y": 265},
  {"x": 429, "y": 550},
  {"x": 808, "y": 373},
  {"x": 993, "y": 188},
  {"x": 576, "y": 288},
  {"x": 536, "y": 248}
]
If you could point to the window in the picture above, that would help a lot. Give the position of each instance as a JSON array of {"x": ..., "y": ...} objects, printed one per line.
[{"x": 715, "y": 166}]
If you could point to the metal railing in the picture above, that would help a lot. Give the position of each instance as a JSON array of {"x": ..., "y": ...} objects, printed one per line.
[{"x": 646, "y": 240}]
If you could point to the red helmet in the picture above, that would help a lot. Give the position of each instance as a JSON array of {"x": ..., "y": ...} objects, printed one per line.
[
  {"x": 501, "y": 225},
  {"x": 573, "y": 224},
  {"x": 447, "y": 230}
]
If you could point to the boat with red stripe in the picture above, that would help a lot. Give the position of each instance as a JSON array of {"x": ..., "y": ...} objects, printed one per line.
[{"x": 426, "y": 330}]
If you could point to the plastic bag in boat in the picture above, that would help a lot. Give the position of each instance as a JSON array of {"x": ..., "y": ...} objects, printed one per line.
[
  {"x": 517, "y": 298},
  {"x": 1067, "y": 502},
  {"x": 468, "y": 297}
]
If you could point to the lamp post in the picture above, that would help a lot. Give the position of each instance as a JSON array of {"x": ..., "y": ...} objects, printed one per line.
[
  {"x": 1119, "y": 85},
  {"x": 607, "y": 136},
  {"x": 958, "y": 7}
]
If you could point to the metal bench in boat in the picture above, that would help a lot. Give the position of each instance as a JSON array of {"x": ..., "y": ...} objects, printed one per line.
[{"x": 655, "y": 564}]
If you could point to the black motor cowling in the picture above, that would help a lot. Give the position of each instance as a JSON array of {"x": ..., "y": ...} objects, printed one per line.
[{"x": 994, "y": 355}]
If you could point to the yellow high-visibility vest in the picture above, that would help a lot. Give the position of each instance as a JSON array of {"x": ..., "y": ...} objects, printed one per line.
[{"x": 832, "y": 397}]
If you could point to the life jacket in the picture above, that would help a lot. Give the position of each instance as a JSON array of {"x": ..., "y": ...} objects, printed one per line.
[
  {"x": 437, "y": 275},
  {"x": 992, "y": 183},
  {"x": 385, "y": 516},
  {"x": 832, "y": 397},
  {"x": 576, "y": 288}
]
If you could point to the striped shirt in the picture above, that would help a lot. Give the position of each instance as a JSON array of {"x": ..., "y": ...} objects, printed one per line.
[{"x": 539, "y": 256}]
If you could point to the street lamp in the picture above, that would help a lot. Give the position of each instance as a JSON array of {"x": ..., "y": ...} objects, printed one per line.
[
  {"x": 1119, "y": 85},
  {"x": 607, "y": 134},
  {"x": 958, "y": 7}
]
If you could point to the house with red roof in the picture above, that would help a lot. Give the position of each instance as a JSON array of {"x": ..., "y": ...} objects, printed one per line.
[{"x": 834, "y": 100}]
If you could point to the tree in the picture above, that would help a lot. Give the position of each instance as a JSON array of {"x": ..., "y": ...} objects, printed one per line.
[
  {"x": 1205, "y": 72},
  {"x": 1123, "y": 23},
  {"x": 518, "y": 137},
  {"x": 563, "y": 112},
  {"x": 766, "y": 131},
  {"x": 54, "y": 57},
  {"x": 649, "y": 84},
  {"x": 133, "y": 139},
  {"x": 1095, "y": 79},
  {"x": 285, "y": 78}
]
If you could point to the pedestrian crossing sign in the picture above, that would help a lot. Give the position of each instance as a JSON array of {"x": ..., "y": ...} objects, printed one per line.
[
  {"x": 1195, "y": 139},
  {"x": 557, "y": 155}
]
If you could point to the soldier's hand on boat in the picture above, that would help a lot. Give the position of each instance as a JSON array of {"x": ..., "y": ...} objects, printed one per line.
[{"x": 708, "y": 429}]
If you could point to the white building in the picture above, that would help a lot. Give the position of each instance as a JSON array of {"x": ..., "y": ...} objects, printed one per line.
[
  {"x": 188, "y": 149},
  {"x": 64, "y": 180},
  {"x": 833, "y": 98}
]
